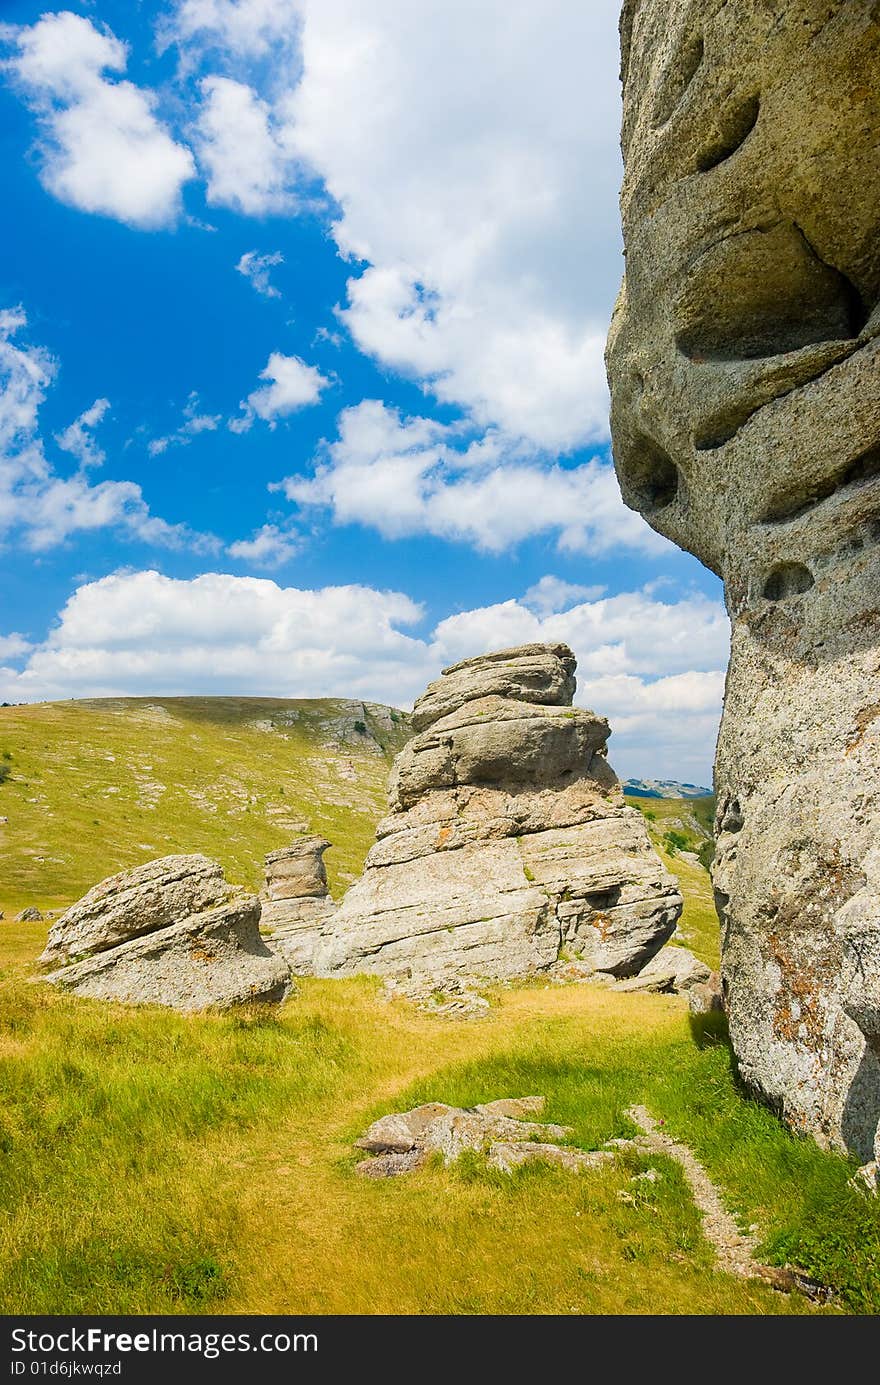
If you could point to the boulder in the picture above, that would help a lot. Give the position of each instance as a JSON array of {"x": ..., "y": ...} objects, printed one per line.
[
  {"x": 671, "y": 971},
  {"x": 133, "y": 902},
  {"x": 29, "y": 915},
  {"x": 508, "y": 841},
  {"x": 172, "y": 932},
  {"x": 744, "y": 363},
  {"x": 296, "y": 901},
  {"x": 541, "y": 673}
]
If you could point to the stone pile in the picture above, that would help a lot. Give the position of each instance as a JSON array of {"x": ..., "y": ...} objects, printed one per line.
[
  {"x": 744, "y": 363},
  {"x": 508, "y": 845},
  {"x": 296, "y": 900},
  {"x": 172, "y": 932}
]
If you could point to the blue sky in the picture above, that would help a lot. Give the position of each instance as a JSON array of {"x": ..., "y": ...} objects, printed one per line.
[{"x": 302, "y": 308}]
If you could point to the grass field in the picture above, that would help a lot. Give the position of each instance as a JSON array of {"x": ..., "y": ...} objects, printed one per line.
[
  {"x": 93, "y": 787},
  {"x": 152, "y": 1162}
]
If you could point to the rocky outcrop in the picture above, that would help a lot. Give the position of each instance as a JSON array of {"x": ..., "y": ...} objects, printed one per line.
[
  {"x": 171, "y": 932},
  {"x": 296, "y": 901},
  {"x": 400, "y": 1143},
  {"x": 508, "y": 842},
  {"x": 744, "y": 364}
]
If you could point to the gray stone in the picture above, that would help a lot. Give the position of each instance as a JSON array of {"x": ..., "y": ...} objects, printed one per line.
[
  {"x": 29, "y": 915},
  {"x": 541, "y": 673},
  {"x": 506, "y": 1157},
  {"x": 134, "y": 902},
  {"x": 296, "y": 901},
  {"x": 297, "y": 871},
  {"x": 402, "y": 1142},
  {"x": 671, "y": 971},
  {"x": 213, "y": 958},
  {"x": 508, "y": 842},
  {"x": 744, "y": 364}
]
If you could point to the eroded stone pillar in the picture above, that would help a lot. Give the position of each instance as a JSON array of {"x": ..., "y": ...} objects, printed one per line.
[{"x": 744, "y": 364}]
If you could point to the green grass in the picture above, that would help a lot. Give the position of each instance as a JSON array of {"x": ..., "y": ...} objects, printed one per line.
[
  {"x": 689, "y": 823},
  {"x": 100, "y": 786},
  {"x": 157, "y": 1163}
]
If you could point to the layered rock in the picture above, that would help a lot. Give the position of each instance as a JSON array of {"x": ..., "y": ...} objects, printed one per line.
[
  {"x": 172, "y": 932},
  {"x": 296, "y": 900},
  {"x": 508, "y": 842},
  {"x": 744, "y": 364}
]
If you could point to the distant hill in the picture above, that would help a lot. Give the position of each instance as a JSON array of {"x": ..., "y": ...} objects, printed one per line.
[
  {"x": 91, "y": 787},
  {"x": 663, "y": 788}
]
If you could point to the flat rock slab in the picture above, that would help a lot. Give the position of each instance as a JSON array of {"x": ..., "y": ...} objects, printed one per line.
[{"x": 403, "y": 1141}]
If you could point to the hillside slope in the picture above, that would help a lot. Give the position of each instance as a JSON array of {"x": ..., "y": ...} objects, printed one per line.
[{"x": 95, "y": 786}]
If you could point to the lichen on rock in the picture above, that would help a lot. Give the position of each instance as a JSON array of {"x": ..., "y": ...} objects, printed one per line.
[{"x": 744, "y": 365}]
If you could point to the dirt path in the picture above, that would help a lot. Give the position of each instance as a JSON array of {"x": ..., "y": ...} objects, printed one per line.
[{"x": 735, "y": 1249}]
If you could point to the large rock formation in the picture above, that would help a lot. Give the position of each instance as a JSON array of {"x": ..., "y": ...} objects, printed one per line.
[
  {"x": 508, "y": 843},
  {"x": 171, "y": 932},
  {"x": 297, "y": 902},
  {"x": 745, "y": 371}
]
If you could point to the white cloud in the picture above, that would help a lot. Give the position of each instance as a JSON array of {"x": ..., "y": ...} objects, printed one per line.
[
  {"x": 292, "y": 385},
  {"x": 137, "y": 631},
  {"x": 76, "y": 437},
  {"x": 269, "y": 547},
  {"x": 13, "y": 646},
  {"x": 417, "y": 476},
  {"x": 473, "y": 157},
  {"x": 194, "y": 423},
  {"x": 472, "y": 150},
  {"x": 653, "y": 668},
  {"x": 246, "y": 28},
  {"x": 244, "y": 155},
  {"x": 552, "y": 594},
  {"x": 37, "y": 504},
  {"x": 256, "y": 268},
  {"x": 103, "y": 149}
]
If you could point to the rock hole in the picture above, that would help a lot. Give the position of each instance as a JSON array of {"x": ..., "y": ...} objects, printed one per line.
[
  {"x": 736, "y": 126},
  {"x": 764, "y": 292},
  {"x": 600, "y": 900},
  {"x": 678, "y": 78},
  {"x": 787, "y": 579},
  {"x": 731, "y": 820},
  {"x": 791, "y": 504},
  {"x": 650, "y": 476}
]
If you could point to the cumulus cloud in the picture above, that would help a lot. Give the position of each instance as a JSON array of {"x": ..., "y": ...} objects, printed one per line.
[
  {"x": 653, "y": 668},
  {"x": 478, "y": 180},
  {"x": 242, "y": 151},
  {"x": 37, "y": 504},
  {"x": 13, "y": 646},
  {"x": 77, "y": 437},
  {"x": 102, "y": 147},
  {"x": 243, "y": 28},
  {"x": 552, "y": 594},
  {"x": 292, "y": 385},
  {"x": 417, "y": 476},
  {"x": 471, "y": 152},
  {"x": 194, "y": 423},
  {"x": 269, "y": 547},
  {"x": 257, "y": 269}
]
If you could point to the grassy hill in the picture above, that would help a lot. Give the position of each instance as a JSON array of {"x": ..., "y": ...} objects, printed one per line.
[
  {"x": 681, "y": 831},
  {"x": 152, "y": 1162},
  {"x": 95, "y": 786}
]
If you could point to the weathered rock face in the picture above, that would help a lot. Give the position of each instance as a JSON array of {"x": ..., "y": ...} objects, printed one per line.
[
  {"x": 171, "y": 932},
  {"x": 297, "y": 901},
  {"x": 745, "y": 370},
  {"x": 508, "y": 842}
]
